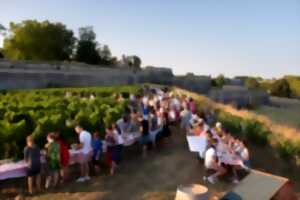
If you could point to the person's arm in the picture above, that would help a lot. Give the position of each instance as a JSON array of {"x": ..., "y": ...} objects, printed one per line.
[
  {"x": 80, "y": 145},
  {"x": 26, "y": 155}
]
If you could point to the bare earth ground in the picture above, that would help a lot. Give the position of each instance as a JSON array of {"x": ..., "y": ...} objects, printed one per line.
[{"x": 157, "y": 176}]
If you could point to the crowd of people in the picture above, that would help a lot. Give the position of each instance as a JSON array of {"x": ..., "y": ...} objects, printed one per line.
[{"x": 149, "y": 115}]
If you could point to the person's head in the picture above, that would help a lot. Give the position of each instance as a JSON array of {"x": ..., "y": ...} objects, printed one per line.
[
  {"x": 125, "y": 118},
  {"x": 209, "y": 133},
  {"x": 113, "y": 126},
  {"x": 219, "y": 125},
  {"x": 96, "y": 135},
  {"x": 109, "y": 128},
  {"x": 200, "y": 122},
  {"x": 29, "y": 141},
  {"x": 213, "y": 142},
  {"x": 78, "y": 129},
  {"x": 50, "y": 137},
  {"x": 57, "y": 135},
  {"x": 134, "y": 111}
]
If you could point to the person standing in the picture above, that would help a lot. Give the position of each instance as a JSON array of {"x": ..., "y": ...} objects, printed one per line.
[
  {"x": 85, "y": 146},
  {"x": 53, "y": 160},
  {"x": 97, "y": 151},
  {"x": 111, "y": 139},
  {"x": 32, "y": 158},
  {"x": 144, "y": 130},
  {"x": 64, "y": 157}
]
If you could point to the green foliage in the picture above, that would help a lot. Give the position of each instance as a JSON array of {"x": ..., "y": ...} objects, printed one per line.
[
  {"x": 133, "y": 62},
  {"x": 249, "y": 129},
  {"x": 287, "y": 150},
  {"x": 219, "y": 81},
  {"x": 255, "y": 132},
  {"x": 252, "y": 83},
  {"x": 281, "y": 88},
  {"x": 33, "y": 40},
  {"x": 230, "y": 122},
  {"x": 89, "y": 51},
  {"x": 294, "y": 83},
  {"x": 39, "y": 112}
]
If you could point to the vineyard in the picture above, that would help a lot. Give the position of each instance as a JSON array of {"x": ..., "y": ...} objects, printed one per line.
[{"x": 38, "y": 112}]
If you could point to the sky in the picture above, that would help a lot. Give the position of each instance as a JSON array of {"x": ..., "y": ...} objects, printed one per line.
[{"x": 206, "y": 37}]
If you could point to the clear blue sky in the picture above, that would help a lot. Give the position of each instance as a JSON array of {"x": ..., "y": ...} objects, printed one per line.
[{"x": 234, "y": 37}]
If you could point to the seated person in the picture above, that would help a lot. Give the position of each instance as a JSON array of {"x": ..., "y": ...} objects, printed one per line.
[
  {"x": 244, "y": 154},
  {"x": 198, "y": 128},
  {"x": 211, "y": 163}
]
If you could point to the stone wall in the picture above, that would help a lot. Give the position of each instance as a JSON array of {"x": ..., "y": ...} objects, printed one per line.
[
  {"x": 26, "y": 75},
  {"x": 21, "y": 74},
  {"x": 240, "y": 96}
]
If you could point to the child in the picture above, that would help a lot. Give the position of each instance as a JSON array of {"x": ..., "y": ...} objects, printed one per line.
[
  {"x": 111, "y": 141},
  {"x": 64, "y": 157},
  {"x": 53, "y": 160},
  {"x": 32, "y": 158},
  {"x": 97, "y": 151}
]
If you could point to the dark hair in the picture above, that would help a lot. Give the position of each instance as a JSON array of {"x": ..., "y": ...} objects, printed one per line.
[
  {"x": 78, "y": 126},
  {"x": 51, "y": 135},
  {"x": 109, "y": 127}
]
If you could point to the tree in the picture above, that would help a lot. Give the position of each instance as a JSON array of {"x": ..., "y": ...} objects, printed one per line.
[
  {"x": 87, "y": 47},
  {"x": 2, "y": 30},
  {"x": 106, "y": 56},
  {"x": 281, "y": 88},
  {"x": 135, "y": 62},
  {"x": 252, "y": 83},
  {"x": 219, "y": 81},
  {"x": 33, "y": 40}
]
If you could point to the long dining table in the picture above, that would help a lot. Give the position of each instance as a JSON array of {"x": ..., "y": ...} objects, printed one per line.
[{"x": 18, "y": 169}]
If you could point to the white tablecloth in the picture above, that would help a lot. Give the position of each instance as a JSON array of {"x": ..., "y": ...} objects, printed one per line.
[
  {"x": 18, "y": 169},
  {"x": 197, "y": 144}
]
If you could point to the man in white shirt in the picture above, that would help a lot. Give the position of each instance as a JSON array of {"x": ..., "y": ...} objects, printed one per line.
[
  {"x": 85, "y": 146},
  {"x": 211, "y": 163}
]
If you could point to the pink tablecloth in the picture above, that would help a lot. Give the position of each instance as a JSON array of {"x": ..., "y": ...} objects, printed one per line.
[{"x": 230, "y": 159}]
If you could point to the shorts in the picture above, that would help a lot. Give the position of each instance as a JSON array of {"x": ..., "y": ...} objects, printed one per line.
[
  {"x": 33, "y": 171},
  {"x": 85, "y": 157}
]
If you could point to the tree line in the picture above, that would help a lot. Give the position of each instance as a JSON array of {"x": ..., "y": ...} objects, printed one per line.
[
  {"x": 53, "y": 41},
  {"x": 287, "y": 86}
]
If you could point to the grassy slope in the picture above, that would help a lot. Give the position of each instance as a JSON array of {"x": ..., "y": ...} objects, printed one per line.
[{"x": 288, "y": 113}]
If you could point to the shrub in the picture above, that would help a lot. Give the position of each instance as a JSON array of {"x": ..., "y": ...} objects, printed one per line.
[
  {"x": 255, "y": 132},
  {"x": 281, "y": 88},
  {"x": 286, "y": 150},
  {"x": 230, "y": 122}
]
